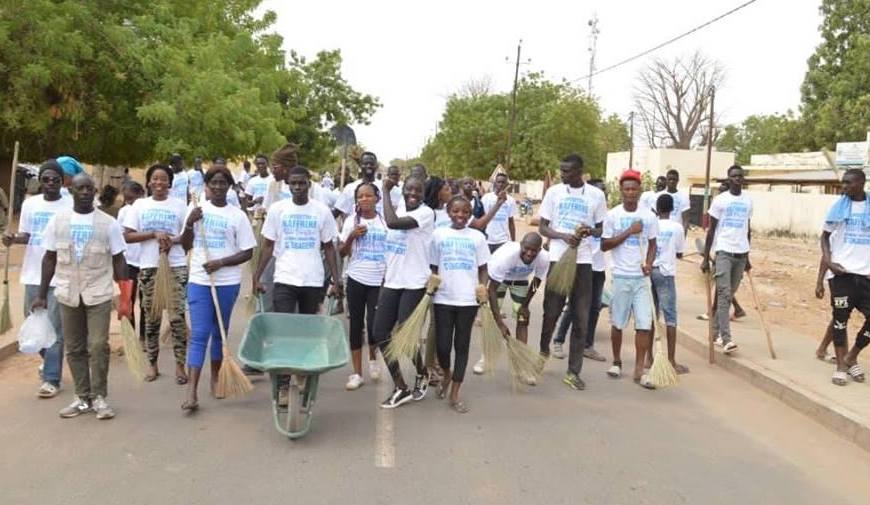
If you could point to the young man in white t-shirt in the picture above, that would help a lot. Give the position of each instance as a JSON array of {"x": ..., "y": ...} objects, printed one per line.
[
  {"x": 680, "y": 197},
  {"x": 648, "y": 198},
  {"x": 846, "y": 251},
  {"x": 500, "y": 228},
  {"x": 180, "y": 181},
  {"x": 510, "y": 267},
  {"x": 84, "y": 251},
  {"x": 728, "y": 236},
  {"x": 571, "y": 213},
  {"x": 368, "y": 165},
  {"x": 258, "y": 185},
  {"x": 36, "y": 212},
  {"x": 630, "y": 232},
  {"x": 196, "y": 179},
  {"x": 670, "y": 243}
]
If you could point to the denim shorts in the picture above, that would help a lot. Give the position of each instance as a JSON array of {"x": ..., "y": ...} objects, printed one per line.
[
  {"x": 666, "y": 294},
  {"x": 631, "y": 295}
]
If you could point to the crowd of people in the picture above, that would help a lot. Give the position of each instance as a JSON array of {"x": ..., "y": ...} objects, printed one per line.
[{"x": 375, "y": 243}]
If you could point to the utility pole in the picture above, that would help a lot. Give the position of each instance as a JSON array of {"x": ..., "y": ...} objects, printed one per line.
[
  {"x": 631, "y": 140},
  {"x": 593, "y": 49},
  {"x": 706, "y": 208},
  {"x": 513, "y": 108}
]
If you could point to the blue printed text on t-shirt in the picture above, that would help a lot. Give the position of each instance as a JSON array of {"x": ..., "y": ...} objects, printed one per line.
[
  {"x": 300, "y": 231},
  {"x": 736, "y": 215},
  {"x": 397, "y": 242},
  {"x": 571, "y": 211},
  {"x": 457, "y": 253},
  {"x": 855, "y": 232},
  {"x": 215, "y": 228},
  {"x": 38, "y": 220},
  {"x": 371, "y": 246},
  {"x": 161, "y": 220},
  {"x": 625, "y": 223},
  {"x": 80, "y": 235}
]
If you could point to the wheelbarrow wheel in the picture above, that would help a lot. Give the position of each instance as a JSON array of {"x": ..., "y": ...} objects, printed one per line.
[{"x": 296, "y": 408}]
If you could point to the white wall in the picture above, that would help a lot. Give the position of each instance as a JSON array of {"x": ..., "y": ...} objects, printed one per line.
[
  {"x": 798, "y": 213},
  {"x": 690, "y": 164},
  {"x": 533, "y": 189}
]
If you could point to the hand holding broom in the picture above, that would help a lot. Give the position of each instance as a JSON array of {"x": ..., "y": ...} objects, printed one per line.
[
  {"x": 560, "y": 280},
  {"x": 137, "y": 361}
]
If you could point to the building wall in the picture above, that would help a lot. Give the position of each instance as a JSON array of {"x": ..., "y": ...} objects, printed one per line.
[
  {"x": 796, "y": 213},
  {"x": 691, "y": 164},
  {"x": 790, "y": 162}
]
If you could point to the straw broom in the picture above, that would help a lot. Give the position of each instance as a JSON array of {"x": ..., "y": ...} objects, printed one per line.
[
  {"x": 523, "y": 361},
  {"x": 5, "y": 312},
  {"x": 231, "y": 380},
  {"x": 560, "y": 280},
  {"x": 406, "y": 336},
  {"x": 491, "y": 337},
  {"x": 661, "y": 373},
  {"x": 163, "y": 295},
  {"x": 137, "y": 361}
]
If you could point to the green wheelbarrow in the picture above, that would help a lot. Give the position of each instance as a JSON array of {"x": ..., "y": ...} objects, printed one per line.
[{"x": 294, "y": 349}]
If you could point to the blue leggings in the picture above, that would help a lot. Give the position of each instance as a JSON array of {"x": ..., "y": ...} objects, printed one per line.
[{"x": 204, "y": 323}]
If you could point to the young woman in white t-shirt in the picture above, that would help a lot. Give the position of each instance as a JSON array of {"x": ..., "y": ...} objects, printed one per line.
[
  {"x": 459, "y": 255},
  {"x": 407, "y": 259},
  {"x": 156, "y": 223},
  {"x": 221, "y": 238},
  {"x": 363, "y": 239},
  {"x": 131, "y": 192}
]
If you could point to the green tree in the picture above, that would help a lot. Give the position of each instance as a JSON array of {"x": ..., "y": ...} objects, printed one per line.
[
  {"x": 553, "y": 119},
  {"x": 836, "y": 88},
  {"x": 129, "y": 82},
  {"x": 763, "y": 134}
]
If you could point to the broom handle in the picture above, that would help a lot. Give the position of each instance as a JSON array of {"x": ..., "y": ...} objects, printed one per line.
[
  {"x": 710, "y": 316},
  {"x": 213, "y": 289},
  {"x": 761, "y": 316},
  {"x": 9, "y": 211}
]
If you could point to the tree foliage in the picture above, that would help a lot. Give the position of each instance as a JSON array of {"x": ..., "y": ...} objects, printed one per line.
[
  {"x": 553, "y": 119},
  {"x": 836, "y": 88},
  {"x": 127, "y": 82},
  {"x": 764, "y": 134},
  {"x": 672, "y": 99}
]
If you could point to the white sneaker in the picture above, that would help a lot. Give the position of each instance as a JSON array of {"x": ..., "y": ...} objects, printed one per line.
[
  {"x": 47, "y": 390},
  {"x": 354, "y": 382},
  {"x": 729, "y": 348},
  {"x": 558, "y": 352},
  {"x": 102, "y": 408},
  {"x": 614, "y": 371},
  {"x": 77, "y": 407},
  {"x": 479, "y": 367},
  {"x": 374, "y": 370},
  {"x": 719, "y": 342}
]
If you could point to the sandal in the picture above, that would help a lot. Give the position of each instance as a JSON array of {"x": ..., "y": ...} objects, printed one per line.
[
  {"x": 443, "y": 388},
  {"x": 189, "y": 406},
  {"x": 840, "y": 378},
  {"x": 681, "y": 369},
  {"x": 644, "y": 382},
  {"x": 152, "y": 377},
  {"x": 827, "y": 358},
  {"x": 181, "y": 380},
  {"x": 856, "y": 373},
  {"x": 459, "y": 407}
]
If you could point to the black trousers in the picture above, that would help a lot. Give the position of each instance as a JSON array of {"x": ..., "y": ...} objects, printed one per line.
[
  {"x": 848, "y": 292},
  {"x": 453, "y": 325},
  {"x": 361, "y": 303},
  {"x": 394, "y": 306},
  {"x": 297, "y": 299},
  {"x": 579, "y": 301}
]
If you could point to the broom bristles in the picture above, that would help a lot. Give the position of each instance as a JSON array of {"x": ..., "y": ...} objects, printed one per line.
[
  {"x": 492, "y": 340},
  {"x": 560, "y": 280},
  {"x": 163, "y": 295},
  {"x": 137, "y": 361},
  {"x": 406, "y": 336},
  {"x": 662, "y": 374},
  {"x": 231, "y": 380},
  {"x": 523, "y": 363},
  {"x": 5, "y": 313},
  {"x": 251, "y": 305}
]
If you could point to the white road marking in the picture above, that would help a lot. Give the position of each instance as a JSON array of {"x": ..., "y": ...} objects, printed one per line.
[{"x": 385, "y": 446}]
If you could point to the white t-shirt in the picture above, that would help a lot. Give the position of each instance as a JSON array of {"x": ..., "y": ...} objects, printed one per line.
[
  {"x": 497, "y": 231},
  {"x": 628, "y": 256},
  {"x": 408, "y": 251},
  {"x": 442, "y": 220},
  {"x": 670, "y": 241},
  {"x": 648, "y": 200},
  {"x": 243, "y": 178},
  {"x": 258, "y": 186},
  {"x": 850, "y": 242},
  {"x": 227, "y": 231},
  {"x": 196, "y": 182},
  {"x": 733, "y": 214},
  {"x": 150, "y": 215},
  {"x": 81, "y": 227},
  {"x": 368, "y": 254},
  {"x": 346, "y": 203},
  {"x": 299, "y": 232},
  {"x": 36, "y": 212},
  {"x": 133, "y": 250},
  {"x": 566, "y": 208},
  {"x": 681, "y": 204},
  {"x": 458, "y": 254},
  {"x": 179, "y": 187},
  {"x": 321, "y": 194},
  {"x": 506, "y": 264},
  {"x": 598, "y": 262}
]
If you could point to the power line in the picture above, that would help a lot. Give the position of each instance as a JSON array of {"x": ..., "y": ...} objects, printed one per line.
[{"x": 663, "y": 44}]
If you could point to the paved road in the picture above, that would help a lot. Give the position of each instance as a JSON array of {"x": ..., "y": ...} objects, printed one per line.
[{"x": 712, "y": 439}]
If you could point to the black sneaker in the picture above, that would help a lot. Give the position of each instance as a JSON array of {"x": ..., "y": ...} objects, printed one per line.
[
  {"x": 574, "y": 382},
  {"x": 421, "y": 386},
  {"x": 398, "y": 397}
]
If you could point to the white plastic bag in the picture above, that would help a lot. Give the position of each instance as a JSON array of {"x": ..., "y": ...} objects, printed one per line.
[{"x": 36, "y": 332}]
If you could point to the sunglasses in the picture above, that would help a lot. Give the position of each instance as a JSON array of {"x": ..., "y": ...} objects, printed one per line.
[{"x": 49, "y": 179}]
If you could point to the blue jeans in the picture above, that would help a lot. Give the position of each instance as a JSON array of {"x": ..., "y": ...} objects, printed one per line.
[
  {"x": 204, "y": 323},
  {"x": 631, "y": 295},
  {"x": 665, "y": 299},
  {"x": 598, "y": 279},
  {"x": 52, "y": 358}
]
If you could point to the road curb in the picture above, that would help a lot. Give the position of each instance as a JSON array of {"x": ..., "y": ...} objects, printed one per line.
[
  {"x": 8, "y": 349},
  {"x": 836, "y": 418}
]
